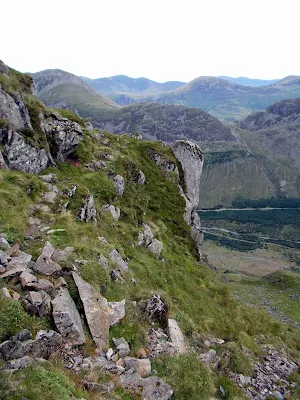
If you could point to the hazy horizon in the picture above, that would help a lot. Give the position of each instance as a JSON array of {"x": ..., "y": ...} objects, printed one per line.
[{"x": 163, "y": 41}]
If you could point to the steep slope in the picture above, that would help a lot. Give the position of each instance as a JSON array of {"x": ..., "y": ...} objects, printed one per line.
[
  {"x": 125, "y": 84},
  {"x": 61, "y": 89},
  {"x": 97, "y": 264},
  {"x": 248, "y": 81}
]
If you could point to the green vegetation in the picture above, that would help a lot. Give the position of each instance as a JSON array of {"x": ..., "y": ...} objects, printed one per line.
[
  {"x": 71, "y": 116},
  {"x": 13, "y": 318},
  {"x": 16, "y": 82},
  {"x": 280, "y": 202}
]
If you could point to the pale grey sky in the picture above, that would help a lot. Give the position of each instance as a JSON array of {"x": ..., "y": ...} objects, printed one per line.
[{"x": 158, "y": 39}]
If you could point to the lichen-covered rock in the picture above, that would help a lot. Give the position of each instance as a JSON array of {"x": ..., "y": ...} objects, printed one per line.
[
  {"x": 118, "y": 182},
  {"x": 116, "y": 311},
  {"x": 156, "y": 310},
  {"x": 114, "y": 211},
  {"x": 96, "y": 311},
  {"x": 44, "y": 344},
  {"x": 146, "y": 238},
  {"x": 176, "y": 337},
  {"x": 152, "y": 388},
  {"x": 67, "y": 319},
  {"x": 66, "y": 135},
  {"x": 14, "y": 111},
  {"x": 21, "y": 155},
  {"x": 88, "y": 211},
  {"x": 121, "y": 265}
]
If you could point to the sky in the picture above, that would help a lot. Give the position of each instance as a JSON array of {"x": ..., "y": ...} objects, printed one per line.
[{"x": 162, "y": 40}]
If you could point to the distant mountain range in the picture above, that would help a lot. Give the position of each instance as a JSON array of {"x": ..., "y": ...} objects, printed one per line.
[
  {"x": 248, "y": 81},
  {"x": 253, "y": 158}
]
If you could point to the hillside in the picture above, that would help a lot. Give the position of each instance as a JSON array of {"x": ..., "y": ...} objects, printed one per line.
[
  {"x": 104, "y": 292},
  {"x": 61, "y": 89},
  {"x": 221, "y": 98},
  {"x": 165, "y": 122},
  {"x": 124, "y": 84}
]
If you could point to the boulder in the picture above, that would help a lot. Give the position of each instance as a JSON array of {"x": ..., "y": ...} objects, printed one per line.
[
  {"x": 62, "y": 255},
  {"x": 44, "y": 344},
  {"x": 156, "y": 247},
  {"x": 44, "y": 265},
  {"x": 66, "y": 135},
  {"x": 152, "y": 388},
  {"x": 96, "y": 311},
  {"x": 121, "y": 265},
  {"x": 146, "y": 238},
  {"x": 176, "y": 337},
  {"x": 88, "y": 211},
  {"x": 48, "y": 250},
  {"x": 156, "y": 310},
  {"x": 116, "y": 311},
  {"x": 118, "y": 182},
  {"x": 14, "y": 111},
  {"x": 49, "y": 178},
  {"x": 67, "y": 318},
  {"x": 21, "y": 259},
  {"x": 26, "y": 278},
  {"x": 4, "y": 292},
  {"x": 12, "y": 272},
  {"x": 114, "y": 211},
  {"x": 139, "y": 177}
]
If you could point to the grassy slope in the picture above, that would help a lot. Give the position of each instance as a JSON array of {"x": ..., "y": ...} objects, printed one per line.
[{"x": 197, "y": 300}]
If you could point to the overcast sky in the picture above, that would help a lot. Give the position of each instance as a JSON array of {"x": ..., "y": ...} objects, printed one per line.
[{"x": 158, "y": 39}]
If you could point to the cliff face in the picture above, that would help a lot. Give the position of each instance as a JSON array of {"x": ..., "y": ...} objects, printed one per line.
[{"x": 190, "y": 157}]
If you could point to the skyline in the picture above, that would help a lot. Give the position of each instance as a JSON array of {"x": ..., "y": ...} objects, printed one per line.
[{"x": 162, "y": 41}]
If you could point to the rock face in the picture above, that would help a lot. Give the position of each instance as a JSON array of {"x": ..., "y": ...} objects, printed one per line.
[
  {"x": 66, "y": 135},
  {"x": 191, "y": 159},
  {"x": 14, "y": 111},
  {"x": 146, "y": 238},
  {"x": 88, "y": 211},
  {"x": 67, "y": 318},
  {"x": 20, "y": 155},
  {"x": 156, "y": 310},
  {"x": 176, "y": 337},
  {"x": 96, "y": 311}
]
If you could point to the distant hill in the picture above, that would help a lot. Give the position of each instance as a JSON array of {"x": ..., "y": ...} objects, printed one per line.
[
  {"x": 57, "y": 88},
  {"x": 125, "y": 84},
  {"x": 223, "y": 99},
  {"x": 248, "y": 81}
]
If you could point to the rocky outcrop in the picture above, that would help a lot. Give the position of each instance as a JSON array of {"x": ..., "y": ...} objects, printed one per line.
[
  {"x": 14, "y": 111},
  {"x": 44, "y": 344},
  {"x": 88, "y": 211},
  {"x": 146, "y": 238},
  {"x": 114, "y": 211},
  {"x": 121, "y": 265},
  {"x": 165, "y": 165},
  {"x": 66, "y": 135},
  {"x": 191, "y": 159},
  {"x": 156, "y": 310},
  {"x": 96, "y": 311},
  {"x": 66, "y": 318},
  {"x": 20, "y": 155},
  {"x": 118, "y": 182}
]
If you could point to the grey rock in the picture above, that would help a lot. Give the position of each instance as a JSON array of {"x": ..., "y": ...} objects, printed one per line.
[
  {"x": 3, "y": 164},
  {"x": 4, "y": 245},
  {"x": 88, "y": 211},
  {"x": 44, "y": 344},
  {"x": 114, "y": 211},
  {"x": 156, "y": 247},
  {"x": 139, "y": 177},
  {"x": 153, "y": 388},
  {"x": 14, "y": 110},
  {"x": 49, "y": 197},
  {"x": 176, "y": 337},
  {"x": 146, "y": 238},
  {"x": 123, "y": 349},
  {"x": 22, "y": 335},
  {"x": 118, "y": 182},
  {"x": 66, "y": 135},
  {"x": 156, "y": 310},
  {"x": 35, "y": 298},
  {"x": 3, "y": 68},
  {"x": 67, "y": 318},
  {"x": 4, "y": 292},
  {"x": 15, "y": 271},
  {"x": 88, "y": 125},
  {"x": 21, "y": 155},
  {"x": 22, "y": 259},
  {"x": 4, "y": 258},
  {"x": 103, "y": 261},
  {"x": 49, "y": 178},
  {"x": 116, "y": 311},
  {"x": 26, "y": 278},
  {"x": 44, "y": 265},
  {"x": 45, "y": 285},
  {"x": 62, "y": 255},
  {"x": 118, "y": 341},
  {"x": 22, "y": 362},
  {"x": 102, "y": 388},
  {"x": 48, "y": 250},
  {"x": 121, "y": 265},
  {"x": 96, "y": 311},
  {"x": 109, "y": 354},
  {"x": 166, "y": 166},
  {"x": 60, "y": 282}
]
